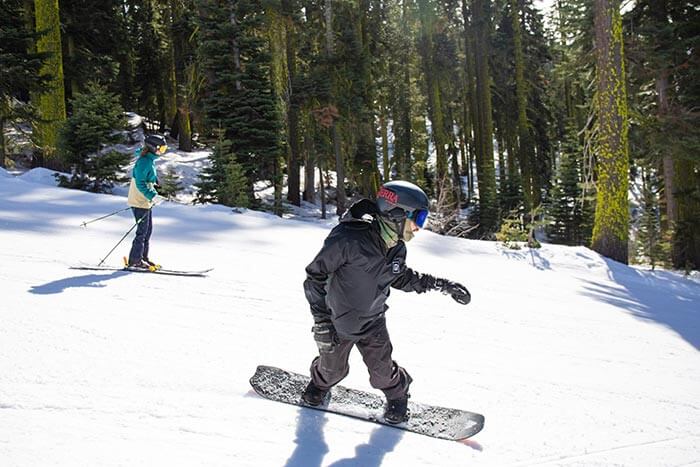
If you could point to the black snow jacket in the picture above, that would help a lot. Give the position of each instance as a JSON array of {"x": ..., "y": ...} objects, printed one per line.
[{"x": 348, "y": 281}]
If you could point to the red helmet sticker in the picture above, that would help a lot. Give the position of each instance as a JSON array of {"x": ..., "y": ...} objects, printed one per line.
[{"x": 388, "y": 195}]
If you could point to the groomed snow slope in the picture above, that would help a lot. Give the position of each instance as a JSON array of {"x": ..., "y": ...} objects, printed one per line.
[{"x": 574, "y": 360}]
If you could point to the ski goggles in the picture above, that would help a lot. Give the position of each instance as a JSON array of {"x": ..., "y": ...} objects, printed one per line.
[
  {"x": 162, "y": 149},
  {"x": 419, "y": 217}
]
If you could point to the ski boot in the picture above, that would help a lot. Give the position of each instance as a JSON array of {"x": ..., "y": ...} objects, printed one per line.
[
  {"x": 313, "y": 395},
  {"x": 140, "y": 264},
  {"x": 154, "y": 266}
]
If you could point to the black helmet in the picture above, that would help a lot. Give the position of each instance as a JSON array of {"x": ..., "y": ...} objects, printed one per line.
[
  {"x": 153, "y": 142},
  {"x": 399, "y": 200}
]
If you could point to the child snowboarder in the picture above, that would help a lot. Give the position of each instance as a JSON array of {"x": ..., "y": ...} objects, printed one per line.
[
  {"x": 142, "y": 194},
  {"x": 347, "y": 286}
]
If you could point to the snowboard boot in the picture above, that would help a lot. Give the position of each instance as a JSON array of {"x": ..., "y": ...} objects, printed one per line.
[
  {"x": 313, "y": 395},
  {"x": 396, "y": 410}
]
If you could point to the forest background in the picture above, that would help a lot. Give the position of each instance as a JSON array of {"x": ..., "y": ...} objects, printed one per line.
[{"x": 579, "y": 122}]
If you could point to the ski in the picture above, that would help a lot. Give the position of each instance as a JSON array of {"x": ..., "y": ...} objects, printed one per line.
[{"x": 167, "y": 272}]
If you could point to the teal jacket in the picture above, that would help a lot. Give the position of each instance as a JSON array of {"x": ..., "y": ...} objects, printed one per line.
[{"x": 144, "y": 173}]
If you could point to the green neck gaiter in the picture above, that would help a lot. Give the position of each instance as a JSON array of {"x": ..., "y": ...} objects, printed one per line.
[{"x": 389, "y": 235}]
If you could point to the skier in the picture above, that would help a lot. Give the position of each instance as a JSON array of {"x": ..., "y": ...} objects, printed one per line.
[
  {"x": 347, "y": 285},
  {"x": 142, "y": 198}
]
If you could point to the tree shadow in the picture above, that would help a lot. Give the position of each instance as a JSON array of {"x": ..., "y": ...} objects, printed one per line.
[
  {"x": 526, "y": 254},
  {"x": 659, "y": 296},
  {"x": 89, "y": 280}
]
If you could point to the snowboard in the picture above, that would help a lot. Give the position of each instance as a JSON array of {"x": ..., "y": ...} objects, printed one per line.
[
  {"x": 167, "y": 272},
  {"x": 438, "y": 422}
]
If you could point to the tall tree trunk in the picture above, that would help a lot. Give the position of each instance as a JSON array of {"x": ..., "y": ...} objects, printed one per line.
[
  {"x": 73, "y": 84},
  {"x": 293, "y": 170},
  {"x": 323, "y": 192},
  {"x": 404, "y": 164},
  {"x": 661, "y": 84},
  {"x": 686, "y": 239},
  {"x": 470, "y": 112},
  {"x": 525, "y": 146},
  {"x": 2, "y": 142},
  {"x": 366, "y": 171},
  {"x": 611, "y": 227},
  {"x": 335, "y": 136},
  {"x": 52, "y": 103},
  {"x": 309, "y": 167},
  {"x": 234, "y": 43},
  {"x": 435, "y": 106},
  {"x": 486, "y": 174},
  {"x": 454, "y": 164},
  {"x": 384, "y": 134},
  {"x": 182, "y": 84}
]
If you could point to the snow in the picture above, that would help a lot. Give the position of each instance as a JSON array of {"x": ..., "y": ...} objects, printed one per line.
[
  {"x": 41, "y": 175},
  {"x": 573, "y": 359}
]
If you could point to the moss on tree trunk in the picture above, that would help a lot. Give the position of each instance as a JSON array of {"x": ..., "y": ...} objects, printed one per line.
[{"x": 610, "y": 231}]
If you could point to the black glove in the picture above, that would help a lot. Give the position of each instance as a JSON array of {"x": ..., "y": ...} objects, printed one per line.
[
  {"x": 459, "y": 293},
  {"x": 325, "y": 336}
]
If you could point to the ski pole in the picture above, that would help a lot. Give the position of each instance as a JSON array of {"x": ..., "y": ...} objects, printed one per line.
[
  {"x": 104, "y": 217},
  {"x": 122, "y": 239}
]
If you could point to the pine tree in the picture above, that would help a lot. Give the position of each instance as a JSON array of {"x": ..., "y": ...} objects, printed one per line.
[
  {"x": 566, "y": 210},
  {"x": 19, "y": 70},
  {"x": 224, "y": 181},
  {"x": 650, "y": 242},
  {"x": 664, "y": 80},
  {"x": 170, "y": 183},
  {"x": 84, "y": 139},
  {"x": 239, "y": 94},
  {"x": 87, "y": 59}
]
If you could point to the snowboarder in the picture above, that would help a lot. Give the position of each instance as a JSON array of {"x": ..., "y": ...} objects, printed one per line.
[
  {"x": 142, "y": 198},
  {"x": 347, "y": 285}
]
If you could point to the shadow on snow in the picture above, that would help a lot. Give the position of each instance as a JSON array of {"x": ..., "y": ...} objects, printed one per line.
[
  {"x": 89, "y": 280},
  {"x": 311, "y": 444},
  {"x": 658, "y": 296}
]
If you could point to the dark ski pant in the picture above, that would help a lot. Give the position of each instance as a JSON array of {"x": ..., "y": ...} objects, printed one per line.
[
  {"x": 329, "y": 368},
  {"x": 139, "y": 247}
]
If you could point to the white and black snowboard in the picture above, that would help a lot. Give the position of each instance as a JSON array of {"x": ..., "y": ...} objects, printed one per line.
[{"x": 439, "y": 422}]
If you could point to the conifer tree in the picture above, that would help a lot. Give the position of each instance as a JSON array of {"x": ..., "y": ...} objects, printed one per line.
[
  {"x": 87, "y": 59},
  {"x": 567, "y": 203},
  {"x": 84, "y": 138},
  {"x": 224, "y": 181},
  {"x": 650, "y": 241},
  {"x": 19, "y": 69},
  {"x": 664, "y": 75},
  {"x": 239, "y": 96},
  {"x": 170, "y": 183}
]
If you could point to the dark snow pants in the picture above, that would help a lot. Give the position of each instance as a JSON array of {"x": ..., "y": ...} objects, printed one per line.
[
  {"x": 328, "y": 369},
  {"x": 139, "y": 247}
]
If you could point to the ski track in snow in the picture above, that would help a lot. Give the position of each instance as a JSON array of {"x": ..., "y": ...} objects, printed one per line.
[{"x": 573, "y": 359}]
